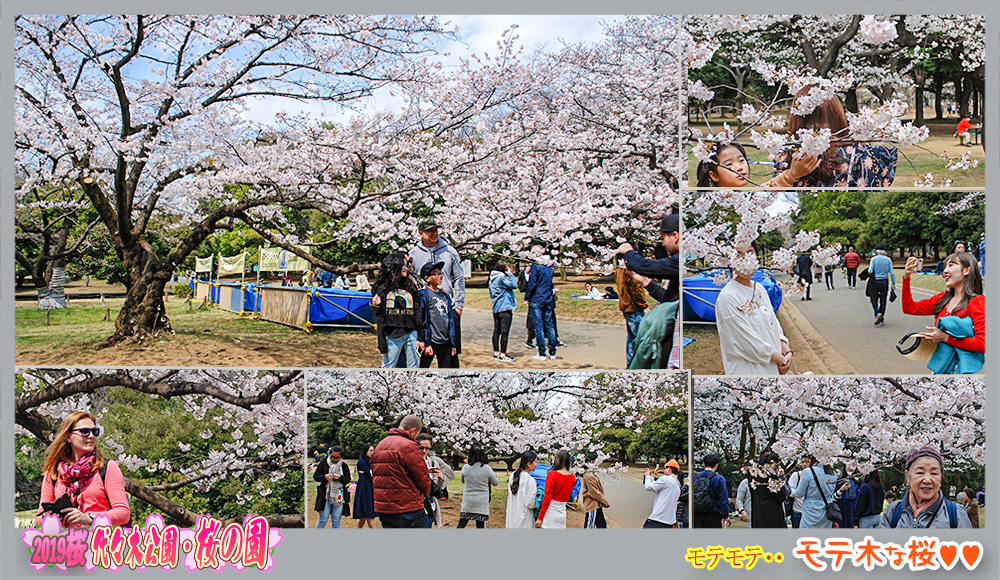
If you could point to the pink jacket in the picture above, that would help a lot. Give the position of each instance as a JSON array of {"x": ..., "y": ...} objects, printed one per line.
[{"x": 99, "y": 496}]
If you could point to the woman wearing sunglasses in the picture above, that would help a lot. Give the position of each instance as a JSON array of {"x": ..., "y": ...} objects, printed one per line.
[{"x": 76, "y": 468}]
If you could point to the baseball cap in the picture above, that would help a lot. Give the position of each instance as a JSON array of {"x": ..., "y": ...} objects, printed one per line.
[
  {"x": 670, "y": 224},
  {"x": 429, "y": 267},
  {"x": 425, "y": 225}
]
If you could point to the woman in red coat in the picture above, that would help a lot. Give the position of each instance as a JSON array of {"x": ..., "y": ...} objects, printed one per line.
[
  {"x": 75, "y": 468},
  {"x": 962, "y": 298},
  {"x": 558, "y": 490}
]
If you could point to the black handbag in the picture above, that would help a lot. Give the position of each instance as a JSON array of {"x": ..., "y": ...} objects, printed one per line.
[
  {"x": 832, "y": 509},
  {"x": 892, "y": 295}
]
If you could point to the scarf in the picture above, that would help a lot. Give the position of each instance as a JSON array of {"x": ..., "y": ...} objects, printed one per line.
[
  {"x": 76, "y": 476},
  {"x": 334, "y": 487},
  {"x": 920, "y": 507}
]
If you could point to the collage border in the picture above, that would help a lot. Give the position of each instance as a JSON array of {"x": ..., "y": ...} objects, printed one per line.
[{"x": 577, "y": 553}]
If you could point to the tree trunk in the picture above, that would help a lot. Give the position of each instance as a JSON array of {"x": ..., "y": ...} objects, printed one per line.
[
  {"x": 918, "y": 116},
  {"x": 962, "y": 94},
  {"x": 938, "y": 99},
  {"x": 975, "y": 100},
  {"x": 144, "y": 314},
  {"x": 851, "y": 103}
]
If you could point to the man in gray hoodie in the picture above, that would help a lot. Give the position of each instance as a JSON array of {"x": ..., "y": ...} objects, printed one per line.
[{"x": 431, "y": 249}]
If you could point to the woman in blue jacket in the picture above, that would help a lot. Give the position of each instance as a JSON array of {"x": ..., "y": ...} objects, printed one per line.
[{"x": 502, "y": 286}]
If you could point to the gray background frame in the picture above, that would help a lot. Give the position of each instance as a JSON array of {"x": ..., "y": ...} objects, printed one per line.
[{"x": 499, "y": 554}]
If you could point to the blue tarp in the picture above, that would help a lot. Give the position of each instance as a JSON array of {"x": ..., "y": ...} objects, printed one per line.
[
  {"x": 542, "y": 470},
  {"x": 251, "y": 300},
  {"x": 328, "y": 305},
  {"x": 213, "y": 292},
  {"x": 701, "y": 289}
]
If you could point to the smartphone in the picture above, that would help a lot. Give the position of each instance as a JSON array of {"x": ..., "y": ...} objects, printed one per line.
[{"x": 920, "y": 264}]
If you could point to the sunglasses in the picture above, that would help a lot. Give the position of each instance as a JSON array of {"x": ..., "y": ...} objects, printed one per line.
[
  {"x": 88, "y": 431},
  {"x": 422, "y": 448}
]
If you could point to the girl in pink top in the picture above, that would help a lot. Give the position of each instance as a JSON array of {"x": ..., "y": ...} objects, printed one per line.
[{"x": 72, "y": 468}]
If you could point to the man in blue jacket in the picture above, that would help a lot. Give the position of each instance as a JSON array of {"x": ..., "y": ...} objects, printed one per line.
[
  {"x": 881, "y": 272},
  {"x": 538, "y": 297},
  {"x": 711, "y": 497}
]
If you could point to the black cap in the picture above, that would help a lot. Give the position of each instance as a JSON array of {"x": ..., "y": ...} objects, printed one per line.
[
  {"x": 670, "y": 224},
  {"x": 429, "y": 267},
  {"x": 427, "y": 224}
]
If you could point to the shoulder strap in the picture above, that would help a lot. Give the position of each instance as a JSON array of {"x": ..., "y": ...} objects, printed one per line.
[
  {"x": 822, "y": 494},
  {"x": 104, "y": 472},
  {"x": 952, "y": 512},
  {"x": 897, "y": 512}
]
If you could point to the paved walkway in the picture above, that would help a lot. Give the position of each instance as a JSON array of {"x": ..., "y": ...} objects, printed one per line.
[
  {"x": 841, "y": 321},
  {"x": 589, "y": 345},
  {"x": 630, "y": 502}
]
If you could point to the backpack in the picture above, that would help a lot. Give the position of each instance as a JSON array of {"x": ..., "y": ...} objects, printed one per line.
[
  {"x": 654, "y": 339},
  {"x": 948, "y": 504},
  {"x": 104, "y": 477},
  {"x": 703, "y": 501}
]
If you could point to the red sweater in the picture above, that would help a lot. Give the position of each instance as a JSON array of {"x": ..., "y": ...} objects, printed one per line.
[
  {"x": 99, "y": 496},
  {"x": 975, "y": 309},
  {"x": 558, "y": 487}
]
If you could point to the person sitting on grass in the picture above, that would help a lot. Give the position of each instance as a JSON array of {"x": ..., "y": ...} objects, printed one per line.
[{"x": 437, "y": 331}]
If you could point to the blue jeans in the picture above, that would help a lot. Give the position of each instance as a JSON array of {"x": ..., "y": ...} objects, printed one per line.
[
  {"x": 869, "y": 521},
  {"x": 415, "y": 519},
  {"x": 545, "y": 329},
  {"x": 406, "y": 343},
  {"x": 632, "y": 320},
  {"x": 331, "y": 513},
  {"x": 796, "y": 519}
]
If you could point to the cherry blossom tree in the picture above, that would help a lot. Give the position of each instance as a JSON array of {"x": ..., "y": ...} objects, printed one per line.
[
  {"x": 836, "y": 55},
  {"x": 142, "y": 113},
  {"x": 716, "y": 223},
  {"x": 865, "y": 421},
  {"x": 233, "y": 437},
  {"x": 465, "y": 409},
  {"x": 147, "y": 117}
]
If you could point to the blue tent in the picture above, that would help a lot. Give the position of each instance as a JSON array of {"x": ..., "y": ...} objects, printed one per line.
[
  {"x": 332, "y": 307},
  {"x": 701, "y": 292}
]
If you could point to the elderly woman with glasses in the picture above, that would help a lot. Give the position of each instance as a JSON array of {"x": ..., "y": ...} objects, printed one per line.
[
  {"x": 78, "y": 483},
  {"x": 924, "y": 505}
]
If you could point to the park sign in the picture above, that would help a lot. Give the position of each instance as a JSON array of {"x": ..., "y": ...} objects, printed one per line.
[
  {"x": 203, "y": 264},
  {"x": 281, "y": 260}
]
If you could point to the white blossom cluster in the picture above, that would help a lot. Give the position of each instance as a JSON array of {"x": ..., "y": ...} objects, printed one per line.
[
  {"x": 865, "y": 421},
  {"x": 470, "y": 409}
]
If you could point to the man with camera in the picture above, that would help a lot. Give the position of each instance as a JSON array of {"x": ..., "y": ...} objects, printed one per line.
[{"x": 441, "y": 476}]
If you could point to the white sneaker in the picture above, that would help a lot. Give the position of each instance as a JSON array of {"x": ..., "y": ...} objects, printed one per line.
[
  {"x": 540, "y": 357},
  {"x": 552, "y": 357}
]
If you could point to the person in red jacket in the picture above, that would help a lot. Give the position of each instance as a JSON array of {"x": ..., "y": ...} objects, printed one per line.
[
  {"x": 962, "y": 130},
  {"x": 963, "y": 298},
  {"x": 558, "y": 490},
  {"x": 851, "y": 261},
  {"x": 75, "y": 469},
  {"x": 400, "y": 477}
]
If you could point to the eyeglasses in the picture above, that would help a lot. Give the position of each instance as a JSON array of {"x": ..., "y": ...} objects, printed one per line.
[
  {"x": 422, "y": 448},
  {"x": 88, "y": 431}
]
